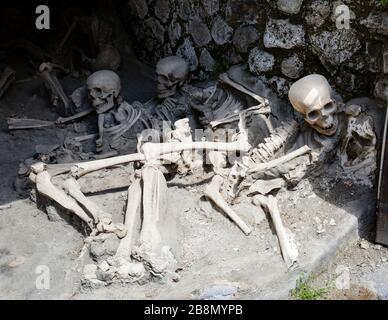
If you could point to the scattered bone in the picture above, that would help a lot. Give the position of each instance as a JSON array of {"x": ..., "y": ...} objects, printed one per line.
[
  {"x": 45, "y": 187},
  {"x": 287, "y": 245},
  {"x": 74, "y": 190},
  {"x": 266, "y": 186},
  {"x": 225, "y": 78},
  {"x": 48, "y": 71},
  {"x": 261, "y": 167},
  {"x": 132, "y": 219},
  {"x": 212, "y": 191},
  {"x": 5, "y": 206}
]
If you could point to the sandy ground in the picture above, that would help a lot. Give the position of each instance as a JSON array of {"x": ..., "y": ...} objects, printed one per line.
[{"x": 360, "y": 272}]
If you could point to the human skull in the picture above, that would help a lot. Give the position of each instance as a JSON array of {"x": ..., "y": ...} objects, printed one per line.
[
  {"x": 103, "y": 89},
  {"x": 311, "y": 96},
  {"x": 172, "y": 73}
]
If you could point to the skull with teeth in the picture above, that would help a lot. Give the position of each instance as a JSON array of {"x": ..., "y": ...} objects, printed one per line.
[
  {"x": 103, "y": 89},
  {"x": 312, "y": 97},
  {"x": 172, "y": 73}
]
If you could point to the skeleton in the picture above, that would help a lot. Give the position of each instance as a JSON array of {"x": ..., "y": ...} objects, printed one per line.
[
  {"x": 170, "y": 104},
  {"x": 276, "y": 160},
  {"x": 146, "y": 195},
  {"x": 227, "y": 183},
  {"x": 334, "y": 124}
]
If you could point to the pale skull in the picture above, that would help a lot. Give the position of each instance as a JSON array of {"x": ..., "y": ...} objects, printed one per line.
[
  {"x": 172, "y": 73},
  {"x": 103, "y": 89},
  {"x": 312, "y": 97}
]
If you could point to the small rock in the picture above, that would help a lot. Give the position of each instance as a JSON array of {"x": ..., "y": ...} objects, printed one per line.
[
  {"x": 185, "y": 9},
  {"x": 90, "y": 271},
  {"x": 317, "y": 13},
  {"x": 211, "y": 6},
  {"x": 260, "y": 61},
  {"x": 381, "y": 89},
  {"x": 334, "y": 48},
  {"x": 162, "y": 10},
  {"x": 332, "y": 223},
  {"x": 5, "y": 206},
  {"x": 283, "y": 34},
  {"x": 244, "y": 37},
  {"x": 187, "y": 52},
  {"x": 364, "y": 244},
  {"x": 200, "y": 32},
  {"x": 139, "y": 7},
  {"x": 221, "y": 31},
  {"x": 292, "y": 67},
  {"x": 156, "y": 28},
  {"x": 377, "y": 22},
  {"x": 377, "y": 247},
  {"x": 174, "y": 32},
  {"x": 321, "y": 229},
  {"x": 18, "y": 261},
  {"x": 289, "y": 6},
  {"x": 206, "y": 60},
  {"x": 219, "y": 293},
  {"x": 280, "y": 85}
]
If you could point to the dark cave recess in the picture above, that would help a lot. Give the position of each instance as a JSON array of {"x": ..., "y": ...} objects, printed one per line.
[{"x": 17, "y": 19}]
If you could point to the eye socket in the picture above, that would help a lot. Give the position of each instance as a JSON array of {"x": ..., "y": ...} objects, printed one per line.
[
  {"x": 330, "y": 107},
  {"x": 313, "y": 115},
  {"x": 162, "y": 77}
]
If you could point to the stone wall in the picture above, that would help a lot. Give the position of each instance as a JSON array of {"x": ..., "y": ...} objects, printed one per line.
[{"x": 280, "y": 40}]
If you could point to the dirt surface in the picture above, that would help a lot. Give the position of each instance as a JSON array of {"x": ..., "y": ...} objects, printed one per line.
[{"x": 360, "y": 272}]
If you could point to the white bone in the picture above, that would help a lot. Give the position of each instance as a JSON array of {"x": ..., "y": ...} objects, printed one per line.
[
  {"x": 47, "y": 73},
  {"x": 225, "y": 79},
  {"x": 287, "y": 246},
  {"x": 212, "y": 191},
  {"x": 154, "y": 197},
  {"x": 261, "y": 167},
  {"x": 132, "y": 218},
  {"x": 47, "y": 188},
  {"x": 74, "y": 190},
  {"x": 82, "y": 168}
]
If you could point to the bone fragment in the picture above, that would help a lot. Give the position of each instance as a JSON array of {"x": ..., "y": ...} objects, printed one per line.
[
  {"x": 73, "y": 188},
  {"x": 82, "y": 168},
  {"x": 213, "y": 193},
  {"x": 287, "y": 246},
  {"x": 279, "y": 161},
  {"x": 46, "y": 187},
  {"x": 225, "y": 79},
  {"x": 132, "y": 219}
]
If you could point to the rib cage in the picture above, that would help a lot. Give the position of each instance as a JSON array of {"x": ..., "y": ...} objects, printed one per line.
[{"x": 267, "y": 150}]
